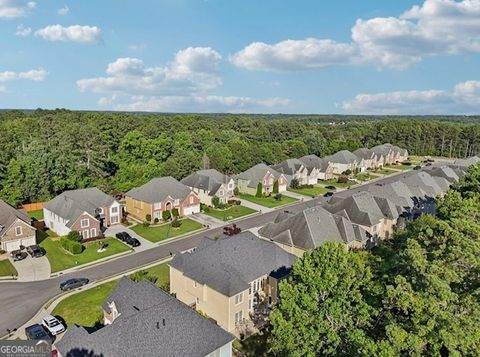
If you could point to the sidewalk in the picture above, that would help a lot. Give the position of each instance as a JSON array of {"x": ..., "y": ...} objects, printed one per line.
[
  {"x": 256, "y": 207},
  {"x": 207, "y": 220},
  {"x": 297, "y": 196}
]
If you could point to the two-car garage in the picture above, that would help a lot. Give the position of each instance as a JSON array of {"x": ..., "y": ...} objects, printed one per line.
[{"x": 11, "y": 245}]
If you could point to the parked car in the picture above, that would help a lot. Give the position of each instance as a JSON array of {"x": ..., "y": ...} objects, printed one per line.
[
  {"x": 73, "y": 284},
  {"x": 35, "y": 251},
  {"x": 333, "y": 188},
  {"x": 37, "y": 332},
  {"x": 328, "y": 194},
  {"x": 123, "y": 236},
  {"x": 134, "y": 242},
  {"x": 18, "y": 255},
  {"x": 53, "y": 325}
]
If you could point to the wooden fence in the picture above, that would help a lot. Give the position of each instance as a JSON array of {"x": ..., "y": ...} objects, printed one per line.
[{"x": 29, "y": 207}]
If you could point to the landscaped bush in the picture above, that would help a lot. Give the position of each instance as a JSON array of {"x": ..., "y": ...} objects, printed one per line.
[
  {"x": 71, "y": 246},
  {"x": 295, "y": 183},
  {"x": 347, "y": 172},
  {"x": 176, "y": 223},
  {"x": 146, "y": 224},
  {"x": 278, "y": 197},
  {"x": 259, "y": 190},
  {"x": 342, "y": 179},
  {"x": 148, "y": 217},
  {"x": 166, "y": 215},
  {"x": 175, "y": 212},
  {"x": 236, "y": 191},
  {"x": 216, "y": 201},
  {"x": 275, "y": 186},
  {"x": 407, "y": 163},
  {"x": 74, "y": 236},
  {"x": 306, "y": 186},
  {"x": 155, "y": 220}
]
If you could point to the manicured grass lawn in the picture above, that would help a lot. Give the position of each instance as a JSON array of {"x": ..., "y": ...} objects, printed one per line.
[
  {"x": 85, "y": 308},
  {"x": 334, "y": 182},
  {"x": 60, "y": 259},
  {"x": 37, "y": 215},
  {"x": 385, "y": 171},
  {"x": 6, "y": 268},
  {"x": 157, "y": 234},
  {"x": 366, "y": 176},
  {"x": 403, "y": 167},
  {"x": 310, "y": 191},
  {"x": 230, "y": 213},
  {"x": 268, "y": 201}
]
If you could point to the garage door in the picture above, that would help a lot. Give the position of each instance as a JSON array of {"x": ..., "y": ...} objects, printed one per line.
[
  {"x": 191, "y": 210},
  {"x": 11, "y": 246}
]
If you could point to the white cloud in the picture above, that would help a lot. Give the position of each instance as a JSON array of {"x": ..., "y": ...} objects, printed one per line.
[
  {"x": 23, "y": 31},
  {"x": 435, "y": 28},
  {"x": 32, "y": 75},
  {"x": 182, "y": 85},
  {"x": 15, "y": 8},
  {"x": 74, "y": 33},
  {"x": 3, "y": 89},
  {"x": 464, "y": 99},
  {"x": 63, "y": 11}
]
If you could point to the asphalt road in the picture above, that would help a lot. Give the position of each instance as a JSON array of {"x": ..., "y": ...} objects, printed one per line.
[{"x": 20, "y": 301}]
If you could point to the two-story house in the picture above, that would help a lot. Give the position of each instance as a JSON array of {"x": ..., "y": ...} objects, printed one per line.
[
  {"x": 296, "y": 169},
  {"x": 322, "y": 166},
  {"x": 210, "y": 183},
  {"x": 88, "y": 211},
  {"x": 369, "y": 157},
  {"x": 248, "y": 181},
  {"x": 228, "y": 277},
  {"x": 15, "y": 228},
  {"x": 142, "y": 320},
  {"x": 344, "y": 160},
  {"x": 159, "y": 195}
]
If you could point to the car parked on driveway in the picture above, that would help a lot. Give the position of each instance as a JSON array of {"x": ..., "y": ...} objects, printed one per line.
[
  {"x": 35, "y": 251},
  {"x": 134, "y": 242},
  {"x": 333, "y": 188},
  {"x": 73, "y": 284},
  {"x": 123, "y": 236},
  {"x": 53, "y": 325},
  {"x": 18, "y": 255},
  {"x": 37, "y": 332}
]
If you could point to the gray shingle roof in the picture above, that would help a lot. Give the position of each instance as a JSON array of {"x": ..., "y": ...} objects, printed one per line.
[
  {"x": 397, "y": 192},
  {"x": 157, "y": 189},
  {"x": 8, "y": 215},
  {"x": 383, "y": 149},
  {"x": 364, "y": 153},
  {"x": 311, "y": 228},
  {"x": 289, "y": 166},
  {"x": 210, "y": 180},
  {"x": 467, "y": 162},
  {"x": 424, "y": 181},
  {"x": 256, "y": 174},
  {"x": 229, "y": 264},
  {"x": 71, "y": 204},
  {"x": 314, "y": 161},
  {"x": 444, "y": 171},
  {"x": 151, "y": 323},
  {"x": 342, "y": 157}
]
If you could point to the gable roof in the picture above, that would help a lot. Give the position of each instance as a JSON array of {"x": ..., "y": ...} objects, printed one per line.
[
  {"x": 342, "y": 157},
  {"x": 364, "y": 153},
  {"x": 256, "y": 174},
  {"x": 8, "y": 215},
  {"x": 396, "y": 191},
  {"x": 157, "y": 189},
  {"x": 467, "y": 162},
  {"x": 150, "y": 323},
  {"x": 229, "y": 264},
  {"x": 311, "y": 228},
  {"x": 424, "y": 181},
  {"x": 289, "y": 166},
  {"x": 313, "y": 161},
  {"x": 71, "y": 204},
  {"x": 209, "y": 180}
]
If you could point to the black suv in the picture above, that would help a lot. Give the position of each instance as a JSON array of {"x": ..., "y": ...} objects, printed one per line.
[
  {"x": 134, "y": 242},
  {"x": 37, "y": 332},
  {"x": 123, "y": 236},
  {"x": 331, "y": 187},
  {"x": 18, "y": 255},
  {"x": 35, "y": 251}
]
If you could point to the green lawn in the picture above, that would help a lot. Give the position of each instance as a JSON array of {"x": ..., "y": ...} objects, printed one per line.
[
  {"x": 230, "y": 213},
  {"x": 85, "y": 308},
  {"x": 270, "y": 202},
  {"x": 310, "y": 191},
  {"x": 333, "y": 182},
  {"x": 6, "y": 268},
  {"x": 384, "y": 171},
  {"x": 403, "y": 167},
  {"x": 159, "y": 233},
  {"x": 60, "y": 259},
  {"x": 366, "y": 176},
  {"x": 36, "y": 215}
]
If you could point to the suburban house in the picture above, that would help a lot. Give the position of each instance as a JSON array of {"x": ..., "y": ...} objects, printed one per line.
[
  {"x": 297, "y": 233},
  {"x": 371, "y": 160},
  {"x": 143, "y": 320},
  {"x": 247, "y": 181},
  {"x": 229, "y": 278},
  {"x": 345, "y": 160},
  {"x": 160, "y": 195},
  {"x": 15, "y": 228},
  {"x": 210, "y": 183},
  {"x": 467, "y": 162},
  {"x": 295, "y": 169},
  {"x": 397, "y": 192},
  {"x": 377, "y": 215},
  {"x": 425, "y": 182},
  {"x": 392, "y": 154},
  {"x": 88, "y": 211},
  {"x": 445, "y": 171},
  {"x": 324, "y": 169}
]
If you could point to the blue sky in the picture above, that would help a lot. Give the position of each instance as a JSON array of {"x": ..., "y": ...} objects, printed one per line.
[{"x": 348, "y": 57}]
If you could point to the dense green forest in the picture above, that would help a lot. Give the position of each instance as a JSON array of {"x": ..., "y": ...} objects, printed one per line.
[
  {"x": 415, "y": 295},
  {"x": 45, "y": 152}
]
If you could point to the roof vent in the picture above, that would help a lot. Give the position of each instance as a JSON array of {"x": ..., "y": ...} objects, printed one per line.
[{"x": 136, "y": 308}]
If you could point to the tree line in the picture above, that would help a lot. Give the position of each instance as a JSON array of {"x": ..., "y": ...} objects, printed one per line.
[
  {"x": 43, "y": 153},
  {"x": 415, "y": 295}
]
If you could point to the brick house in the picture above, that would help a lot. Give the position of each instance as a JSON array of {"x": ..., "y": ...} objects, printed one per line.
[
  {"x": 247, "y": 181},
  {"x": 210, "y": 183},
  {"x": 15, "y": 228}
]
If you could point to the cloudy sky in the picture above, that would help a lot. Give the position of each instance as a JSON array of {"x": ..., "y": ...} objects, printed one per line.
[{"x": 269, "y": 56}]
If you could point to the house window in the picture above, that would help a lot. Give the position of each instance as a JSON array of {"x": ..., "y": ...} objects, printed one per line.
[
  {"x": 93, "y": 232},
  {"x": 157, "y": 214},
  {"x": 18, "y": 231},
  {"x": 84, "y": 223},
  {"x": 220, "y": 193},
  {"x": 157, "y": 205},
  {"x": 250, "y": 288},
  {"x": 85, "y": 234},
  {"x": 238, "y": 317},
  {"x": 176, "y": 202},
  {"x": 194, "y": 284},
  {"x": 239, "y": 298},
  {"x": 197, "y": 300},
  {"x": 114, "y": 209},
  {"x": 250, "y": 303},
  {"x": 191, "y": 199},
  {"x": 114, "y": 219}
]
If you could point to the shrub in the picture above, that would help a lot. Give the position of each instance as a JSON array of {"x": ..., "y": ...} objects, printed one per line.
[
  {"x": 215, "y": 201},
  {"x": 347, "y": 172},
  {"x": 71, "y": 246},
  {"x": 295, "y": 183},
  {"x": 175, "y": 212},
  {"x": 234, "y": 202},
  {"x": 176, "y": 223},
  {"x": 155, "y": 220},
  {"x": 74, "y": 236},
  {"x": 148, "y": 217},
  {"x": 236, "y": 191},
  {"x": 166, "y": 215},
  {"x": 206, "y": 209},
  {"x": 342, "y": 179},
  {"x": 275, "y": 186},
  {"x": 407, "y": 163},
  {"x": 259, "y": 190},
  {"x": 146, "y": 224},
  {"x": 143, "y": 275},
  {"x": 278, "y": 197}
]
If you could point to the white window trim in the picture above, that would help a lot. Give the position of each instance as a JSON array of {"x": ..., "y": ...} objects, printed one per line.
[
  {"x": 83, "y": 220},
  {"x": 112, "y": 209},
  {"x": 17, "y": 232},
  {"x": 239, "y": 298}
]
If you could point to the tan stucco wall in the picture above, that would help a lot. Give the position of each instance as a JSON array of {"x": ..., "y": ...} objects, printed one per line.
[{"x": 137, "y": 209}]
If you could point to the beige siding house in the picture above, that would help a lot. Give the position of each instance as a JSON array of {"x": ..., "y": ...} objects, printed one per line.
[
  {"x": 15, "y": 228},
  {"x": 344, "y": 160},
  {"x": 228, "y": 278},
  {"x": 248, "y": 181},
  {"x": 210, "y": 183},
  {"x": 296, "y": 169},
  {"x": 323, "y": 168}
]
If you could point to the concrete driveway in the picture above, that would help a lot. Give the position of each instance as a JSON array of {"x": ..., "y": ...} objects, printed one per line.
[
  {"x": 207, "y": 220},
  {"x": 32, "y": 269},
  {"x": 144, "y": 243},
  {"x": 256, "y": 207}
]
